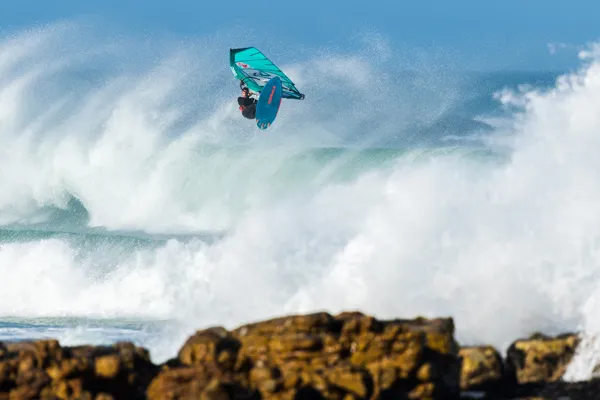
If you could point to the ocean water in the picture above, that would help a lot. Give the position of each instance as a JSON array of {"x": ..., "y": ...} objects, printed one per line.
[{"x": 136, "y": 203}]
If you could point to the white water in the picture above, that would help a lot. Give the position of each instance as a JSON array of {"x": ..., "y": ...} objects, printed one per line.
[{"x": 505, "y": 249}]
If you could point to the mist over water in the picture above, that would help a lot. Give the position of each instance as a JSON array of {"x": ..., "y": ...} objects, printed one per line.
[{"x": 137, "y": 202}]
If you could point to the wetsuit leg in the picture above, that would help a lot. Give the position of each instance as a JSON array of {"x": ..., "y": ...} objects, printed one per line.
[{"x": 250, "y": 111}]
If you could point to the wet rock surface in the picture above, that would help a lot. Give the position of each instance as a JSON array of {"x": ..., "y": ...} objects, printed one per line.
[
  {"x": 314, "y": 356},
  {"x": 46, "y": 370},
  {"x": 540, "y": 358}
]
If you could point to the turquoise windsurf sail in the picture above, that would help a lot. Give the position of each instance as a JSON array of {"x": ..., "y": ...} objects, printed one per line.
[{"x": 254, "y": 69}]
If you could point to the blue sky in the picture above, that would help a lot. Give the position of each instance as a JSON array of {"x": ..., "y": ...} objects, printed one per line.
[{"x": 479, "y": 34}]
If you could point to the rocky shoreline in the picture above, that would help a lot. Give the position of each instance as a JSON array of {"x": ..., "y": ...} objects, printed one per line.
[{"x": 315, "y": 356}]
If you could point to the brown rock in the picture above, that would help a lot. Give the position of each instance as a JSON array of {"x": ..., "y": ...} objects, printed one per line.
[
  {"x": 482, "y": 368},
  {"x": 30, "y": 385},
  {"x": 383, "y": 355},
  {"x": 211, "y": 346},
  {"x": 403, "y": 351},
  {"x": 427, "y": 372},
  {"x": 20, "y": 366},
  {"x": 356, "y": 323},
  {"x": 439, "y": 333},
  {"x": 69, "y": 368},
  {"x": 314, "y": 356},
  {"x": 36, "y": 354},
  {"x": 215, "y": 390},
  {"x": 104, "y": 396},
  {"x": 67, "y": 389},
  {"x": 425, "y": 391},
  {"x": 540, "y": 358},
  {"x": 309, "y": 324},
  {"x": 8, "y": 375},
  {"x": 266, "y": 380},
  {"x": 45, "y": 370},
  {"x": 108, "y": 367},
  {"x": 194, "y": 382},
  {"x": 351, "y": 380},
  {"x": 179, "y": 383}
]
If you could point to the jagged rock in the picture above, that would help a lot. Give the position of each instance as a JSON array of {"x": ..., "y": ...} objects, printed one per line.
[
  {"x": 197, "y": 382},
  {"x": 45, "y": 370},
  {"x": 308, "y": 324},
  {"x": 215, "y": 346},
  {"x": 384, "y": 358},
  {"x": 540, "y": 358},
  {"x": 482, "y": 368},
  {"x": 348, "y": 356}
]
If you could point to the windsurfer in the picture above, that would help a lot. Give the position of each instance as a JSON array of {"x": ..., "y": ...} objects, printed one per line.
[{"x": 247, "y": 104}]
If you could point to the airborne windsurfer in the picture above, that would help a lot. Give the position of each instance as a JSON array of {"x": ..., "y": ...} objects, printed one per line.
[
  {"x": 247, "y": 104},
  {"x": 256, "y": 74}
]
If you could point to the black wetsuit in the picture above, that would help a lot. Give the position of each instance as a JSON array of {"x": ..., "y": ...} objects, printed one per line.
[{"x": 248, "y": 107}]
